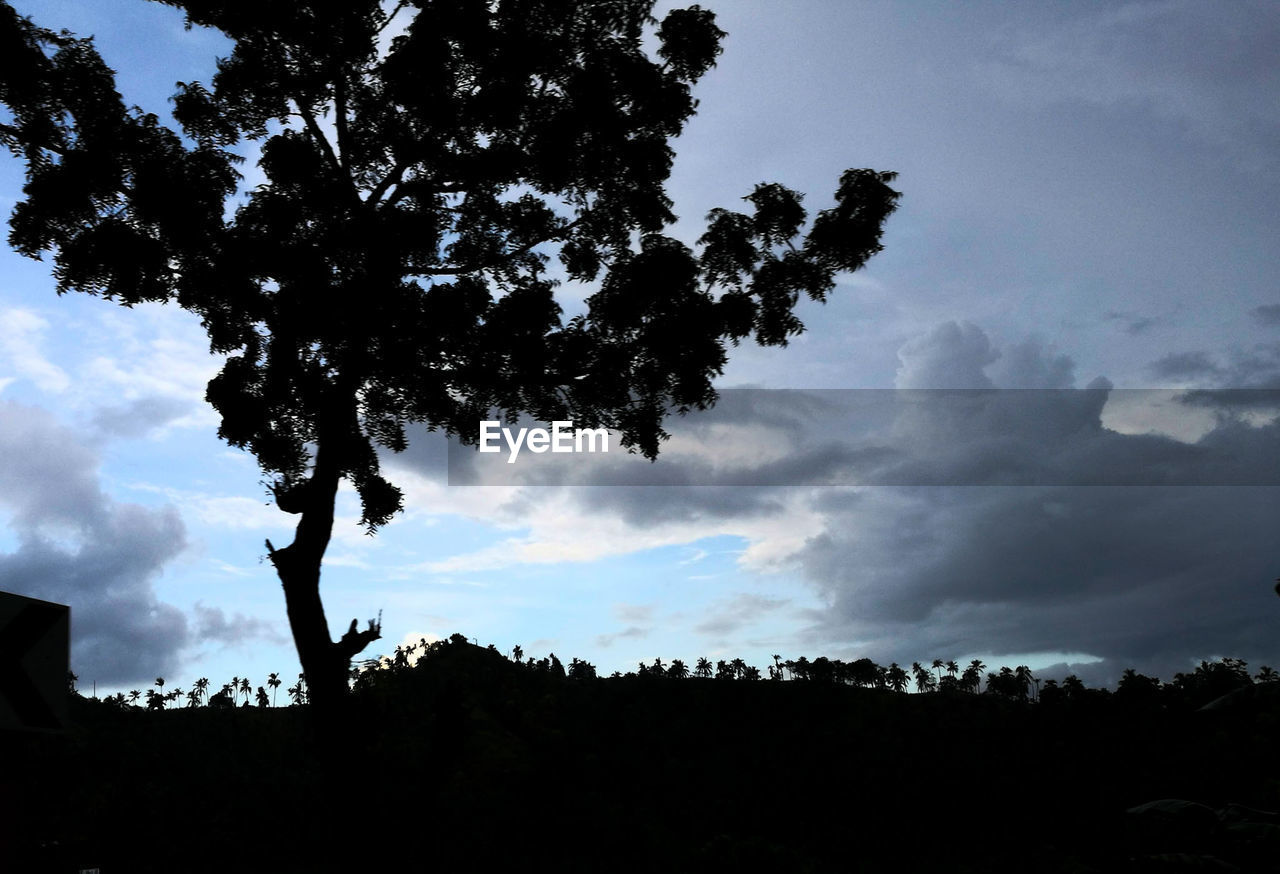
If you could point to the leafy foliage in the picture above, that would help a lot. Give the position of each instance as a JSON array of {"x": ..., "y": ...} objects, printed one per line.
[{"x": 394, "y": 267}]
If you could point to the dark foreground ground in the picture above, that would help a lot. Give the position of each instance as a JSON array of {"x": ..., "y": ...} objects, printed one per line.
[{"x": 471, "y": 763}]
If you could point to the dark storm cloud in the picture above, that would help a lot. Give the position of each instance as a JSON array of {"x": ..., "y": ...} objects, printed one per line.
[
  {"x": 1184, "y": 365},
  {"x": 77, "y": 546},
  {"x": 1268, "y": 315},
  {"x": 1149, "y": 577},
  {"x": 1257, "y": 367},
  {"x": 1036, "y": 528}
]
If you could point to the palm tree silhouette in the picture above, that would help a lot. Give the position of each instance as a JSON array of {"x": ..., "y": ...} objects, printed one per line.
[
  {"x": 896, "y": 677},
  {"x": 937, "y": 666},
  {"x": 1023, "y": 675},
  {"x": 245, "y": 689},
  {"x": 134, "y": 695},
  {"x": 273, "y": 680},
  {"x": 924, "y": 679},
  {"x": 977, "y": 666},
  {"x": 703, "y": 668}
]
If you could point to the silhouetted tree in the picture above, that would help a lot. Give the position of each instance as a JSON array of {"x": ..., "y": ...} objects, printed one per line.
[
  {"x": 1051, "y": 694},
  {"x": 273, "y": 680},
  {"x": 1025, "y": 681},
  {"x": 1005, "y": 684},
  {"x": 703, "y": 668},
  {"x": 974, "y": 672},
  {"x": 581, "y": 670},
  {"x": 391, "y": 267},
  {"x": 865, "y": 672},
  {"x": 1073, "y": 688},
  {"x": 896, "y": 677},
  {"x": 1137, "y": 688},
  {"x": 677, "y": 670},
  {"x": 800, "y": 668},
  {"x": 924, "y": 679},
  {"x": 556, "y": 668}
]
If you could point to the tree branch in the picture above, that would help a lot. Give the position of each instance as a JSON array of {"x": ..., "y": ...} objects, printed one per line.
[
  {"x": 453, "y": 270},
  {"x": 393, "y": 178},
  {"x": 394, "y": 13},
  {"x": 322, "y": 141},
  {"x": 354, "y": 641},
  {"x": 340, "y": 122}
]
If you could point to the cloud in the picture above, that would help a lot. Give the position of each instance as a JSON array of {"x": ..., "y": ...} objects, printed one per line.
[
  {"x": 634, "y": 612},
  {"x": 952, "y": 355},
  {"x": 1140, "y": 577},
  {"x": 138, "y": 418},
  {"x": 78, "y": 546},
  {"x": 1184, "y": 366},
  {"x": 1208, "y": 69},
  {"x": 1134, "y": 325},
  {"x": 21, "y": 338},
  {"x": 1032, "y": 364},
  {"x": 1268, "y": 315},
  {"x": 1258, "y": 367},
  {"x": 737, "y": 613},
  {"x": 213, "y": 626},
  {"x": 631, "y": 632},
  {"x": 1005, "y": 523}
]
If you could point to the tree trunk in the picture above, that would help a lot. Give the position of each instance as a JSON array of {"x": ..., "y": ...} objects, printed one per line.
[
  {"x": 335, "y": 737},
  {"x": 325, "y": 662}
]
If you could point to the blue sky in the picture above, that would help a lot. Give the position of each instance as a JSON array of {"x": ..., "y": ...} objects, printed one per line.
[{"x": 1088, "y": 192}]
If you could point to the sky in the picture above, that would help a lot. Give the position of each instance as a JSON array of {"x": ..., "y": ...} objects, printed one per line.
[{"x": 1088, "y": 203}]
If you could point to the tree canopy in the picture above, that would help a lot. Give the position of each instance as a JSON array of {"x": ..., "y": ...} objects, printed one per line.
[{"x": 432, "y": 172}]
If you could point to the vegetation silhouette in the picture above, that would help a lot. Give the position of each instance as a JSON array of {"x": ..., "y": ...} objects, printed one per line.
[
  {"x": 515, "y": 763},
  {"x": 395, "y": 268}
]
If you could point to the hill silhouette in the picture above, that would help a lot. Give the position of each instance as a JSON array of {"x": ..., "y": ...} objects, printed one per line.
[{"x": 468, "y": 761}]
